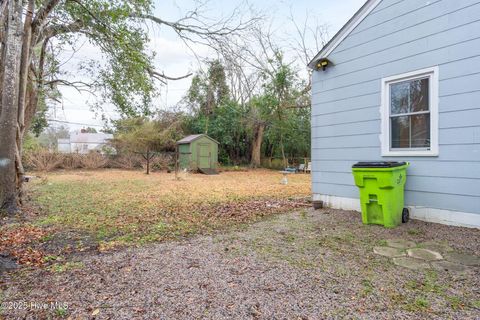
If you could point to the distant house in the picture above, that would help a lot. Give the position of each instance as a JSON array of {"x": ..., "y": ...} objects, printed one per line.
[
  {"x": 64, "y": 146},
  {"x": 401, "y": 82},
  {"x": 83, "y": 142}
]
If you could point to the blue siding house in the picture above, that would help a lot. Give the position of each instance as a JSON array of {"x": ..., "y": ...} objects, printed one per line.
[{"x": 401, "y": 82}]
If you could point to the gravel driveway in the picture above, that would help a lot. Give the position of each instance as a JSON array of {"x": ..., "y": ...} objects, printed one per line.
[{"x": 303, "y": 265}]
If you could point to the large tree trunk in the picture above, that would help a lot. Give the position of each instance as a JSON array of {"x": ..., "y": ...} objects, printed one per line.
[
  {"x": 257, "y": 145},
  {"x": 22, "y": 94},
  {"x": 9, "y": 113}
]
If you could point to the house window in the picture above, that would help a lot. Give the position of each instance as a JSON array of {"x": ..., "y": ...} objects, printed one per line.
[{"x": 410, "y": 114}]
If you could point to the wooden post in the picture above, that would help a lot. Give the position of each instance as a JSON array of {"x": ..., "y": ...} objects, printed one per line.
[
  {"x": 176, "y": 162},
  {"x": 148, "y": 161}
]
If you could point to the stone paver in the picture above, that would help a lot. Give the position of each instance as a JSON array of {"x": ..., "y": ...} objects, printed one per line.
[
  {"x": 411, "y": 263},
  {"x": 400, "y": 243},
  {"x": 463, "y": 258},
  {"x": 424, "y": 254},
  {"x": 436, "y": 246},
  {"x": 389, "y": 252},
  {"x": 405, "y": 254},
  {"x": 448, "y": 266}
]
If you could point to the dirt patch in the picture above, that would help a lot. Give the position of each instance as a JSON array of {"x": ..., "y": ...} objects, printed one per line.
[{"x": 302, "y": 265}]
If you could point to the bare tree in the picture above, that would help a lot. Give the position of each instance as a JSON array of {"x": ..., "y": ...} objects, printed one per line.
[{"x": 254, "y": 60}]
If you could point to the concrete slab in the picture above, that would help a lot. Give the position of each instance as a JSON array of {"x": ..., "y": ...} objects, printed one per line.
[
  {"x": 389, "y": 252},
  {"x": 448, "y": 266},
  {"x": 400, "y": 243},
  {"x": 411, "y": 263},
  {"x": 424, "y": 254},
  {"x": 463, "y": 258}
]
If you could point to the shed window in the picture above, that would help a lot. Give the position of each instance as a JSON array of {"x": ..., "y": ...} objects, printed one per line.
[{"x": 409, "y": 114}]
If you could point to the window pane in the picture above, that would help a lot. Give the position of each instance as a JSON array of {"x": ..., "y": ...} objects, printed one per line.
[
  {"x": 410, "y": 131},
  {"x": 400, "y": 132},
  {"x": 409, "y": 96},
  {"x": 419, "y": 95},
  {"x": 420, "y": 131},
  {"x": 399, "y": 95}
]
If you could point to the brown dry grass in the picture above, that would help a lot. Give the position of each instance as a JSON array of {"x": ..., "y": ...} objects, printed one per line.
[{"x": 129, "y": 206}]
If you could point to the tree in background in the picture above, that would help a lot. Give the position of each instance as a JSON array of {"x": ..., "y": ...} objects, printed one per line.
[
  {"x": 147, "y": 137},
  {"x": 278, "y": 113},
  {"x": 215, "y": 113},
  {"x": 208, "y": 91},
  {"x": 285, "y": 94},
  {"x": 268, "y": 87}
]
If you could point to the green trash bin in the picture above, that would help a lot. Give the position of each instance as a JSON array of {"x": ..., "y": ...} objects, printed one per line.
[{"x": 381, "y": 186}]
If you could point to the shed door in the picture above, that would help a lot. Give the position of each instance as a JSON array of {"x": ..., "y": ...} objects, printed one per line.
[{"x": 204, "y": 155}]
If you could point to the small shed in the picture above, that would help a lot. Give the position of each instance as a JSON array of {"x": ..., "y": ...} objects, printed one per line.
[{"x": 198, "y": 152}]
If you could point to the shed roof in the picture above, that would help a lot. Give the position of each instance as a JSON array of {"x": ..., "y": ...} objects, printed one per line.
[
  {"x": 358, "y": 17},
  {"x": 193, "y": 137}
]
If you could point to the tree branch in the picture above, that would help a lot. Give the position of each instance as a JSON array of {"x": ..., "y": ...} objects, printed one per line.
[
  {"x": 55, "y": 30},
  {"x": 43, "y": 13},
  {"x": 162, "y": 76}
]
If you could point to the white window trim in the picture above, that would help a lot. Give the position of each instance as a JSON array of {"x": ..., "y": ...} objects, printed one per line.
[{"x": 432, "y": 73}]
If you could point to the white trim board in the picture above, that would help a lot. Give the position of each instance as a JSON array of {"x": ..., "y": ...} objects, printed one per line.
[
  {"x": 448, "y": 217},
  {"x": 358, "y": 17}
]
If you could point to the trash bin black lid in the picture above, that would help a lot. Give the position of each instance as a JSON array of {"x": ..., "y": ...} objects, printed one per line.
[{"x": 378, "y": 164}]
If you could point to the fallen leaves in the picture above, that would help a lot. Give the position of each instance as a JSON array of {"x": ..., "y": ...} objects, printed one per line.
[
  {"x": 114, "y": 208},
  {"x": 15, "y": 242}
]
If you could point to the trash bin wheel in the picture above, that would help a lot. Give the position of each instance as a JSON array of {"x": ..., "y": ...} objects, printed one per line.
[{"x": 405, "y": 215}]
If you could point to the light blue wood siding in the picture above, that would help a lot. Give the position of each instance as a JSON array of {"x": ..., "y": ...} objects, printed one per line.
[{"x": 398, "y": 37}]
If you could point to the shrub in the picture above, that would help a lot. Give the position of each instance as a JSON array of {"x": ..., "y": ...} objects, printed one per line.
[
  {"x": 93, "y": 160},
  {"x": 42, "y": 160},
  {"x": 126, "y": 161},
  {"x": 71, "y": 161},
  {"x": 159, "y": 162}
]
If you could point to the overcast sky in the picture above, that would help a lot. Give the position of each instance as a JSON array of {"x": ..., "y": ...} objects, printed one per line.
[{"x": 175, "y": 59}]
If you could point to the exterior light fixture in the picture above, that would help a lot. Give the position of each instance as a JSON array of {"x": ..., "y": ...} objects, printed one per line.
[{"x": 323, "y": 64}]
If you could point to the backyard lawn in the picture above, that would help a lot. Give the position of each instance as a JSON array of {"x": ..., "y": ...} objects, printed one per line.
[
  {"x": 79, "y": 211},
  {"x": 122, "y": 245}
]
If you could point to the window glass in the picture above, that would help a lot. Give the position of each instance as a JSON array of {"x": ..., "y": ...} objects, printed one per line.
[
  {"x": 420, "y": 130},
  {"x": 419, "y": 95},
  {"x": 400, "y": 132},
  {"x": 409, "y": 96},
  {"x": 399, "y": 97},
  {"x": 409, "y": 116}
]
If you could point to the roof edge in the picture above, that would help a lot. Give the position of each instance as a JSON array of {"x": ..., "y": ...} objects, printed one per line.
[
  {"x": 196, "y": 138},
  {"x": 347, "y": 28}
]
